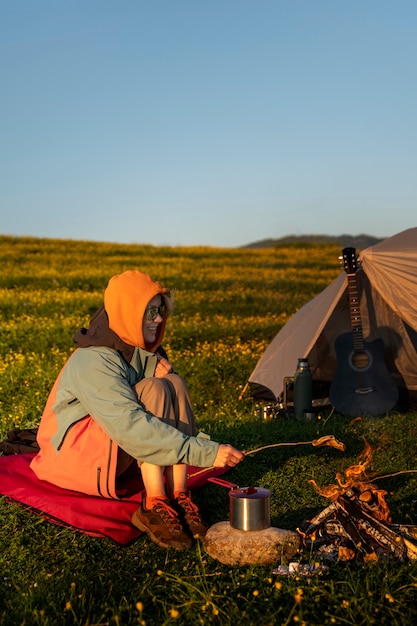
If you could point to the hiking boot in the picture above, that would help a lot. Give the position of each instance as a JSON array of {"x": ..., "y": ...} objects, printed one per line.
[
  {"x": 162, "y": 524},
  {"x": 189, "y": 514}
]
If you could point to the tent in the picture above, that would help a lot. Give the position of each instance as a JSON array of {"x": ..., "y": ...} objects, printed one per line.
[{"x": 386, "y": 281}]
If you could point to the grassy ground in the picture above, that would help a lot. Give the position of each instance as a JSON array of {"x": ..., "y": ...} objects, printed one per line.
[{"x": 230, "y": 303}]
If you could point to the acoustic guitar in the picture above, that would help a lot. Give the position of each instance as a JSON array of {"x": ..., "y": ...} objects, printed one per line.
[{"x": 362, "y": 384}]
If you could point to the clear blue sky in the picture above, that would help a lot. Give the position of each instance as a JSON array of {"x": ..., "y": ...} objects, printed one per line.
[{"x": 216, "y": 122}]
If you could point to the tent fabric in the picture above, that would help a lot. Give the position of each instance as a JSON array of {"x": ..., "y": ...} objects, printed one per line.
[
  {"x": 387, "y": 288},
  {"x": 91, "y": 515},
  {"x": 391, "y": 267}
]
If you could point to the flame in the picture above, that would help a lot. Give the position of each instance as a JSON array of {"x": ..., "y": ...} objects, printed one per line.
[
  {"x": 331, "y": 491},
  {"x": 355, "y": 480},
  {"x": 355, "y": 473},
  {"x": 346, "y": 554}
]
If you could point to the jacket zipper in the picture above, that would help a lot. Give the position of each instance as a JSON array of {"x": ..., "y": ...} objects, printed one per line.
[
  {"x": 99, "y": 481},
  {"x": 99, "y": 471},
  {"x": 61, "y": 443}
]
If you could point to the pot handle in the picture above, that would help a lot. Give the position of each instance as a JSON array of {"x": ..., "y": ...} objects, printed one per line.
[{"x": 223, "y": 483}]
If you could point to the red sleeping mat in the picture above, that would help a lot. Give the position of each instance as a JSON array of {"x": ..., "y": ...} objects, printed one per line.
[{"x": 92, "y": 515}]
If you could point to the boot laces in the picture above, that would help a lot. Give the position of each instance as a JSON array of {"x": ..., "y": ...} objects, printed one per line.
[
  {"x": 189, "y": 507},
  {"x": 168, "y": 515}
]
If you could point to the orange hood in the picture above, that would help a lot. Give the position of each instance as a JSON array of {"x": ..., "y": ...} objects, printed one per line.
[{"x": 125, "y": 300}]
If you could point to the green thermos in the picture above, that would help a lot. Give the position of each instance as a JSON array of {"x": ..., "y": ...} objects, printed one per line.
[{"x": 303, "y": 389}]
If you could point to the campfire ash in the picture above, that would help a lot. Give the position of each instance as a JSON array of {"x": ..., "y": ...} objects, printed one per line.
[{"x": 357, "y": 524}]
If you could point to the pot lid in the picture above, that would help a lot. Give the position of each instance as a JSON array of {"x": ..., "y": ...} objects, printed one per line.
[{"x": 250, "y": 492}]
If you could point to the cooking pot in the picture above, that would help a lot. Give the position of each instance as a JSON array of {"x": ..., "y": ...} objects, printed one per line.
[{"x": 250, "y": 507}]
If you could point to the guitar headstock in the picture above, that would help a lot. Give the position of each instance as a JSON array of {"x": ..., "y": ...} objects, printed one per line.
[{"x": 350, "y": 260}]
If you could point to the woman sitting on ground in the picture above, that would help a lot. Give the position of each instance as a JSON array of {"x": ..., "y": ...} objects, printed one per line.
[{"x": 117, "y": 406}]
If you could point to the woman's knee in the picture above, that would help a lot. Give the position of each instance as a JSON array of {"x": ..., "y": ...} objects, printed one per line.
[
  {"x": 177, "y": 382},
  {"x": 150, "y": 385}
]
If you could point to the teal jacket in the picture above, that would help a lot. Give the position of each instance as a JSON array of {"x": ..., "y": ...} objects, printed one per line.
[{"x": 97, "y": 381}]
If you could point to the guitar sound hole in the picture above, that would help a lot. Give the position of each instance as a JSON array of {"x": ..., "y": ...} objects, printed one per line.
[{"x": 360, "y": 360}]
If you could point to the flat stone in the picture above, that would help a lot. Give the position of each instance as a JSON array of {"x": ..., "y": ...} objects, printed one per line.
[{"x": 232, "y": 546}]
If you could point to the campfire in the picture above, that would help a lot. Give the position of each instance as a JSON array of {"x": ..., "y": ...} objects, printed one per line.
[{"x": 357, "y": 524}]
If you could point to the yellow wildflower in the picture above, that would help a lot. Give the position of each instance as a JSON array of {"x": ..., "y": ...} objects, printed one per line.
[{"x": 299, "y": 595}]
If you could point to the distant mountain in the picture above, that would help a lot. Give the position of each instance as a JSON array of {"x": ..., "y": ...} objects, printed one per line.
[{"x": 343, "y": 241}]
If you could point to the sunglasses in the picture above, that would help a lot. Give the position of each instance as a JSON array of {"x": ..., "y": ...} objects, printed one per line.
[{"x": 152, "y": 312}]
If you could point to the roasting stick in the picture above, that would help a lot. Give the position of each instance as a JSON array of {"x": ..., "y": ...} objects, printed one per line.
[
  {"x": 412, "y": 471},
  {"x": 327, "y": 440}
]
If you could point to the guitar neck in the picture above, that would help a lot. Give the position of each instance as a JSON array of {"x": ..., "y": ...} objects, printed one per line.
[{"x": 355, "y": 315}]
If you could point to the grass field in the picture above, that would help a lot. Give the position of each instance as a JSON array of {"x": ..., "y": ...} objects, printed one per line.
[{"x": 229, "y": 305}]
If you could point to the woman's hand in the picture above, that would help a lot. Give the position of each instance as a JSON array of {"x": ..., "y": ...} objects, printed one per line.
[
  {"x": 227, "y": 456},
  {"x": 163, "y": 367}
]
